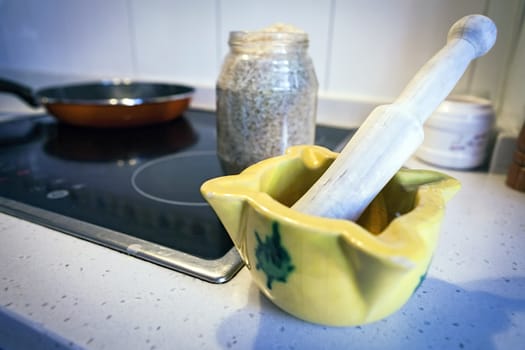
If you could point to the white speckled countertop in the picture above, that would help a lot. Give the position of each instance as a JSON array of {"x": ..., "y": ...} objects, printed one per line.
[{"x": 57, "y": 291}]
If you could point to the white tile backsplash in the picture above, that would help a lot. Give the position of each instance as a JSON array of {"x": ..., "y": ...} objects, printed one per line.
[
  {"x": 378, "y": 48},
  {"x": 79, "y": 37},
  {"x": 491, "y": 70},
  {"x": 364, "y": 51},
  {"x": 512, "y": 99},
  {"x": 175, "y": 40}
]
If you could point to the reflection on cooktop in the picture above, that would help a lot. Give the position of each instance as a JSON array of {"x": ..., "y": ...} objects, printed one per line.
[{"x": 95, "y": 144}]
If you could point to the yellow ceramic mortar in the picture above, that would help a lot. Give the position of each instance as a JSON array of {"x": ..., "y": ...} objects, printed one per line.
[
  {"x": 338, "y": 272},
  {"x": 331, "y": 271}
]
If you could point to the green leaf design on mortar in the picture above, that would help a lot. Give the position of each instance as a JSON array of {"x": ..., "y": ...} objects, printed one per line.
[{"x": 272, "y": 257}]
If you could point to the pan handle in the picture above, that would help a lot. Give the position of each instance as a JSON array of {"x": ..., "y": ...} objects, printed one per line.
[{"x": 23, "y": 92}]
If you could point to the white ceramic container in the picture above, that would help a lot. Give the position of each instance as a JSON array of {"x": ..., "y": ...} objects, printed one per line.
[{"x": 458, "y": 132}]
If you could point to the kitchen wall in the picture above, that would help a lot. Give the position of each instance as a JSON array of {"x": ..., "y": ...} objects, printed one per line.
[{"x": 364, "y": 51}]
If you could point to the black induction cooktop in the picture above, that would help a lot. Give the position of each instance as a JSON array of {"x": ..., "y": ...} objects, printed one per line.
[{"x": 134, "y": 190}]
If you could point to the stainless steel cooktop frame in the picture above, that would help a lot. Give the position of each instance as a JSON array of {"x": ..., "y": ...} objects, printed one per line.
[{"x": 215, "y": 271}]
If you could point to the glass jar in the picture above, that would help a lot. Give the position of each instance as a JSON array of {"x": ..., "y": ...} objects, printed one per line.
[{"x": 266, "y": 97}]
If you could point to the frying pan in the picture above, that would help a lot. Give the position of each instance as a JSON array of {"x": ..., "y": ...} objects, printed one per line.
[{"x": 107, "y": 103}]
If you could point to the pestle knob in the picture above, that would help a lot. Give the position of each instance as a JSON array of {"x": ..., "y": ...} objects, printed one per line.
[
  {"x": 392, "y": 133},
  {"x": 478, "y": 30}
]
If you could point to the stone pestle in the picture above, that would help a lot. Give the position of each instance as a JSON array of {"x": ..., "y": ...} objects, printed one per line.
[{"x": 393, "y": 132}]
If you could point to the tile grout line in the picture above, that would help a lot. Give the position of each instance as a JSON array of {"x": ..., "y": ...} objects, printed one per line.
[
  {"x": 218, "y": 28},
  {"x": 329, "y": 45},
  {"x": 133, "y": 39},
  {"x": 517, "y": 32}
]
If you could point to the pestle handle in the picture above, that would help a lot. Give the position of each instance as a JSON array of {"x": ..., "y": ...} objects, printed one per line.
[
  {"x": 392, "y": 133},
  {"x": 469, "y": 38}
]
